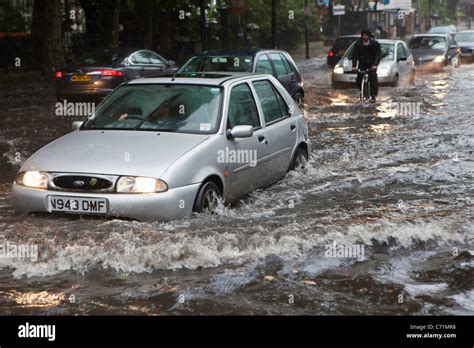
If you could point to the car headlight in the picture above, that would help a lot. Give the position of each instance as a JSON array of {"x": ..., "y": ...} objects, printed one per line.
[
  {"x": 383, "y": 71},
  {"x": 339, "y": 69},
  {"x": 33, "y": 178},
  {"x": 439, "y": 59},
  {"x": 138, "y": 184}
]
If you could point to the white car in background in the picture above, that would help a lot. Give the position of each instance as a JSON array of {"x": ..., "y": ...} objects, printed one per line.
[{"x": 396, "y": 63}]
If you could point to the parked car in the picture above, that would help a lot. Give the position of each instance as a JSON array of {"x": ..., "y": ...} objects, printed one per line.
[
  {"x": 446, "y": 29},
  {"x": 396, "y": 63},
  {"x": 274, "y": 62},
  {"x": 465, "y": 40},
  {"x": 161, "y": 148},
  {"x": 434, "y": 51},
  {"x": 98, "y": 73},
  {"x": 340, "y": 47}
]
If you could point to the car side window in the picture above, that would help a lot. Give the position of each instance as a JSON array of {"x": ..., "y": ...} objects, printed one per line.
[
  {"x": 407, "y": 50},
  {"x": 401, "y": 51},
  {"x": 140, "y": 57},
  {"x": 287, "y": 64},
  {"x": 279, "y": 65},
  {"x": 273, "y": 105},
  {"x": 154, "y": 58},
  {"x": 242, "y": 108},
  {"x": 263, "y": 65}
]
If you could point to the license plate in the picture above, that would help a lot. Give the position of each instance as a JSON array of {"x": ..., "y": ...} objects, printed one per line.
[
  {"x": 77, "y": 205},
  {"x": 352, "y": 78},
  {"x": 81, "y": 78}
]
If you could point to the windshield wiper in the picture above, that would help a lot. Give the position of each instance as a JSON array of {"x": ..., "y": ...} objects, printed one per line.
[{"x": 167, "y": 101}]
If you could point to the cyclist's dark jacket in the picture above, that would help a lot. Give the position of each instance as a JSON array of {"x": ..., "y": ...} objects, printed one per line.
[{"x": 366, "y": 55}]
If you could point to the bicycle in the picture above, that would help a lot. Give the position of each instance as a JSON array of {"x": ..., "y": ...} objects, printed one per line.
[{"x": 365, "y": 86}]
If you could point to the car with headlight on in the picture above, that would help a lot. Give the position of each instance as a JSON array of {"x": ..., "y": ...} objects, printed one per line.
[
  {"x": 434, "y": 51},
  {"x": 396, "y": 63},
  {"x": 161, "y": 148},
  {"x": 465, "y": 40}
]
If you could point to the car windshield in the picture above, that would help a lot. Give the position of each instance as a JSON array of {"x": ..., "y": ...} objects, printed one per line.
[
  {"x": 441, "y": 30},
  {"x": 465, "y": 37},
  {"x": 99, "y": 58},
  {"x": 159, "y": 107},
  {"x": 343, "y": 43},
  {"x": 387, "y": 51},
  {"x": 219, "y": 63},
  {"x": 428, "y": 43}
]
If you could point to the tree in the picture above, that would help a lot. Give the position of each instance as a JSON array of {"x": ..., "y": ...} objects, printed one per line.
[
  {"x": 47, "y": 35},
  {"x": 109, "y": 11}
]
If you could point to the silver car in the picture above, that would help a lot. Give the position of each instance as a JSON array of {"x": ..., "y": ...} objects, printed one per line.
[
  {"x": 161, "y": 148},
  {"x": 396, "y": 63}
]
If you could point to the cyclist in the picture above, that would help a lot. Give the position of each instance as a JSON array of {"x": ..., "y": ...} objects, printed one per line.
[{"x": 366, "y": 56}]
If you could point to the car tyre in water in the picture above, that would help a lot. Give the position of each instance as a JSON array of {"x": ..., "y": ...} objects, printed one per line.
[
  {"x": 395, "y": 80},
  {"x": 300, "y": 161},
  {"x": 207, "y": 199}
]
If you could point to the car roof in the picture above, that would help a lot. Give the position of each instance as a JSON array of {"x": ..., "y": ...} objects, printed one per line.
[
  {"x": 237, "y": 52},
  {"x": 431, "y": 34},
  {"x": 347, "y": 36},
  {"x": 387, "y": 41},
  {"x": 199, "y": 78}
]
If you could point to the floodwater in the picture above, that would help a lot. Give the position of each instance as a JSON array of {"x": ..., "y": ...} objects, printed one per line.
[{"x": 382, "y": 223}]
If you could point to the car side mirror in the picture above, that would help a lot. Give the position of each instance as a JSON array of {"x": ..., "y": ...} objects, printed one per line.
[
  {"x": 402, "y": 58},
  {"x": 171, "y": 63},
  {"x": 240, "y": 132},
  {"x": 76, "y": 125}
]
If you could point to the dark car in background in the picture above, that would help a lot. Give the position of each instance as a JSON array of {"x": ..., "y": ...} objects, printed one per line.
[
  {"x": 273, "y": 62},
  {"x": 465, "y": 40},
  {"x": 339, "y": 49},
  {"x": 96, "y": 74},
  {"x": 434, "y": 51},
  {"x": 444, "y": 29}
]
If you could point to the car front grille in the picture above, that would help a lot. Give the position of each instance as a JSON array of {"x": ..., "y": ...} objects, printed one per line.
[
  {"x": 466, "y": 50},
  {"x": 87, "y": 183}
]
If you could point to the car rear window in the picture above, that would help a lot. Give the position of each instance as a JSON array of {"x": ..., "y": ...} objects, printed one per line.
[
  {"x": 99, "y": 58},
  {"x": 428, "y": 42},
  {"x": 344, "y": 42},
  {"x": 219, "y": 63}
]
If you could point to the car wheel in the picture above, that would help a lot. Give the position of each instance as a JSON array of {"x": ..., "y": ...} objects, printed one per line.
[
  {"x": 299, "y": 100},
  {"x": 395, "y": 80},
  {"x": 300, "y": 161},
  {"x": 207, "y": 199},
  {"x": 455, "y": 62}
]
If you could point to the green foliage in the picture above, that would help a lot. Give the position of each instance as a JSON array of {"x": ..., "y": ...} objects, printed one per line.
[{"x": 290, "y": 21}]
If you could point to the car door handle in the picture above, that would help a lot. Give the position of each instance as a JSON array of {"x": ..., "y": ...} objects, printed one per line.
[
  {"x": 262, "y": 139},
  {"x": 293, "y": 127}
]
